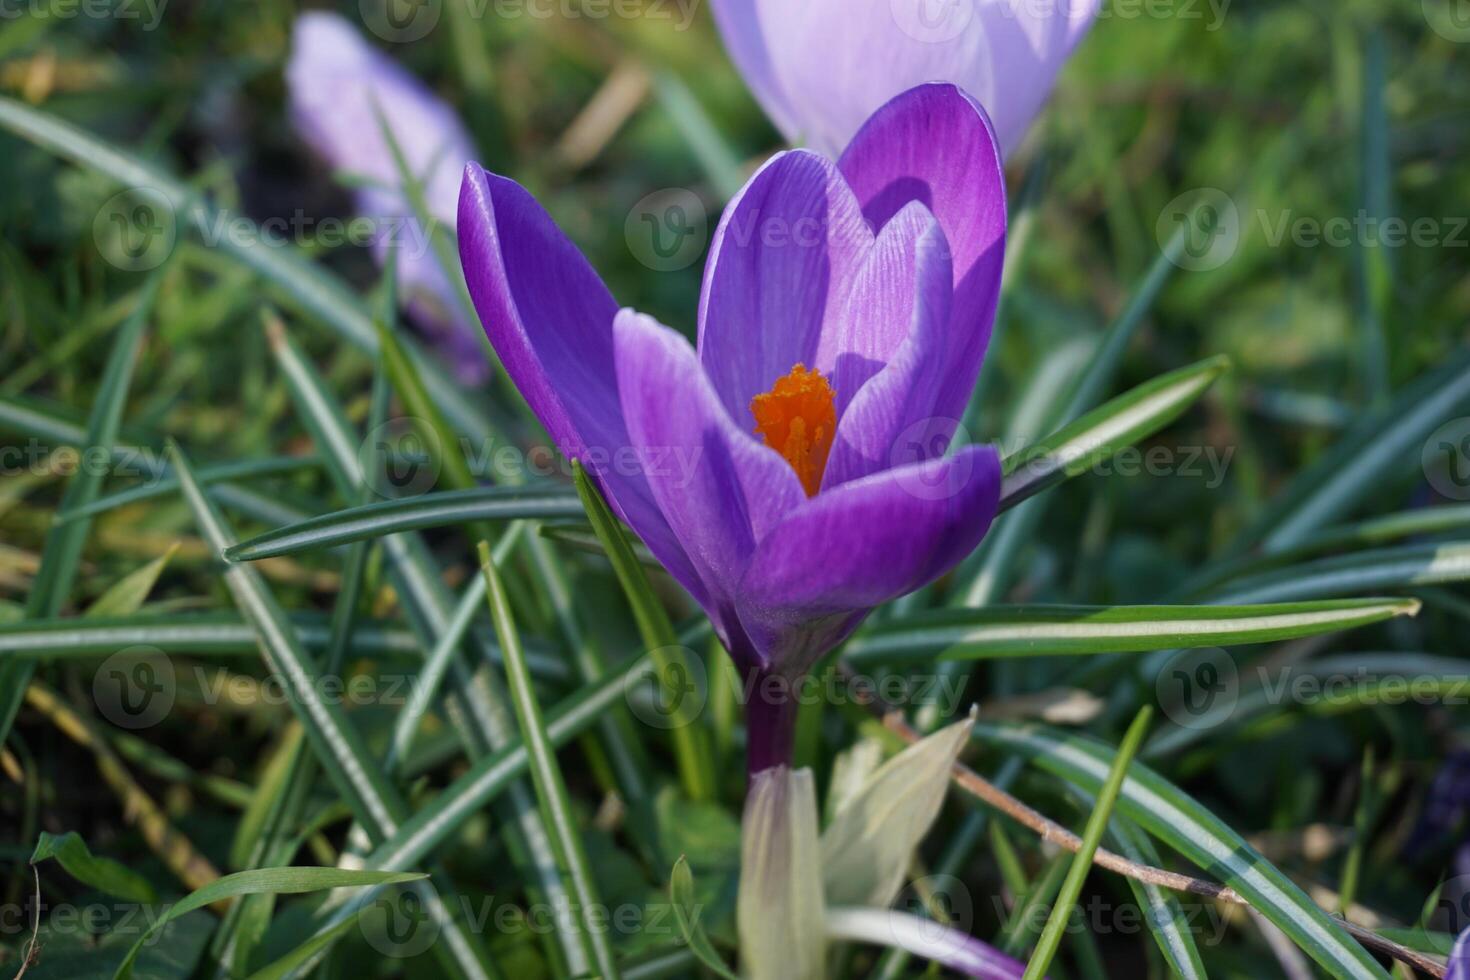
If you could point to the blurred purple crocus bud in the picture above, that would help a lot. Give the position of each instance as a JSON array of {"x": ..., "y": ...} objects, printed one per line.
[
  {"x": 821, "y": 67},
  {"x": 343, "y": 92}
]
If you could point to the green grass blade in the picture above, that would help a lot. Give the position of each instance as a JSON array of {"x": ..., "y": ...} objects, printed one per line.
[
  {"x": 483, "y": 721},
  {"x": 1120, "y": 423},
  {"x": 1172, "y": 816},
  {"x": 128, "y": 594},
  {"x": 337, "y": 744},
  {"x": 1365, "y": 571},
  {"x": 436, "y": 665},
  {"x": 62, "y": 551},
  {"x": 686, "y": 910},
  {"x": 339, "y": 748},
  {"x": 988, "y": 578},
  {"x": 104, "y": 874},
  {"x": 430, "y": 510},
  {"x": 551, "y": 789},
  {"x": 691, "y": 745},
  {"x": 1028, "y": 631},
  {"x": 1385, "y": 441},
  {"x": 303, "y": 955},
  {"x": 276, "y": 881},
  {"x": 720, "y": 162},
  {"x": 1374, "y": 272},
  {"x": 1164, "y": 915},
  {"x": 166, "y": 485},
  {"x": 316, "y": 291},
  {"x": 1422, "y": 522},
  {"x": 1097, "y": 824}
]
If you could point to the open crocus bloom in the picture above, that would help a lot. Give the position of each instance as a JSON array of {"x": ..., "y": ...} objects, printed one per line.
[
  {"x": 819, "y": 67},
  {"x": 338, "y": 85},
  {"x": 845, "y": 312}
]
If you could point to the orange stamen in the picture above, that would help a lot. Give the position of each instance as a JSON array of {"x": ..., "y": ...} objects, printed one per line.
[{"x": 798, "y": 418}]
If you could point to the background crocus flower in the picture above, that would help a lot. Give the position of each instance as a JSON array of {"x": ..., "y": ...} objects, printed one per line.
[
  {"x": 342, "y": 92},
  {"x": 819, "y": 67},
  {"x": 845, "y": 312}
]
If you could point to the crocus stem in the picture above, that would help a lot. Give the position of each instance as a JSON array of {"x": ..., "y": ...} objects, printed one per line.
[{"x": 770, "y": 720}]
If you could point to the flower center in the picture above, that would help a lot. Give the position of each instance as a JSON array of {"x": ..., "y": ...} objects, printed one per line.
[{"x": 798, "y": 419}]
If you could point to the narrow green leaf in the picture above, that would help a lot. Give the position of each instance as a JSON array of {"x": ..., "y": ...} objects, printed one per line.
[
  {"x": 273, "y": 783},
  {"x": 316, "y": 291},
  {"x": 277, "y": 881},
  {"x": 338, "y": 746},
  {"x": 1027, "y": 631},
  {"x": 551, "y": 790},
  {"x": 430, "y": 510},
  {"x": 101, "y": 873},
  {"x": 166, "y": 485},
  {"x": 1165, "y": 917},
  {"x": 720, "y": 162},
  {"x": 1172, "y": 816},
  {"x": 304, "y": 954},
  {"x": 691, "y": 746},
  {"x": 128, "y": 594},
  {"x": 984, "y": 580},
  {"x": 686, "y": 910},
  {"x": 62, "y": 551},
  {"x": 1387, "y": 440},
  {"x": 1097, "y": 825},
  {"x": 1364, "y": 571},
  {"x": 1120, "y": 423}
]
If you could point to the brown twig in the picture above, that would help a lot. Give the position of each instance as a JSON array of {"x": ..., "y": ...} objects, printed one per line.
[{"x": 1048, "y": 830}]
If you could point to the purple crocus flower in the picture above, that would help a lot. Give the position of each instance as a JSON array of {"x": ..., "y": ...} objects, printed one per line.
[
  {"x": 845, "y": 312},
  {"x": 819, "y": 67},
  {"x": 338, "y": 85}
]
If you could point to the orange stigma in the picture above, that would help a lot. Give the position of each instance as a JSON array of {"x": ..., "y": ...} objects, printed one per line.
[{"x": 798, "y": 418}]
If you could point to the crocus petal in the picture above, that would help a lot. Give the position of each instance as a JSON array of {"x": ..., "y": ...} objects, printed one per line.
[
  {"x": 933, "y": 144},
  {"x": 1459, "y": 963},
  {"x": 815, "y": 575},
  {"x": 740, "y": 26},
  {"x": 342, "y": 92},
  {"x": 720, "y": 490},
  {"x": 550, "y": 318},
  {"x": 338, "y": 85},
  {"x": 925, "y": 938},
  {"x": 820, "y": 67},
  {"x": 903, "y": 292},
  {"x": 781, "y": 263}
]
